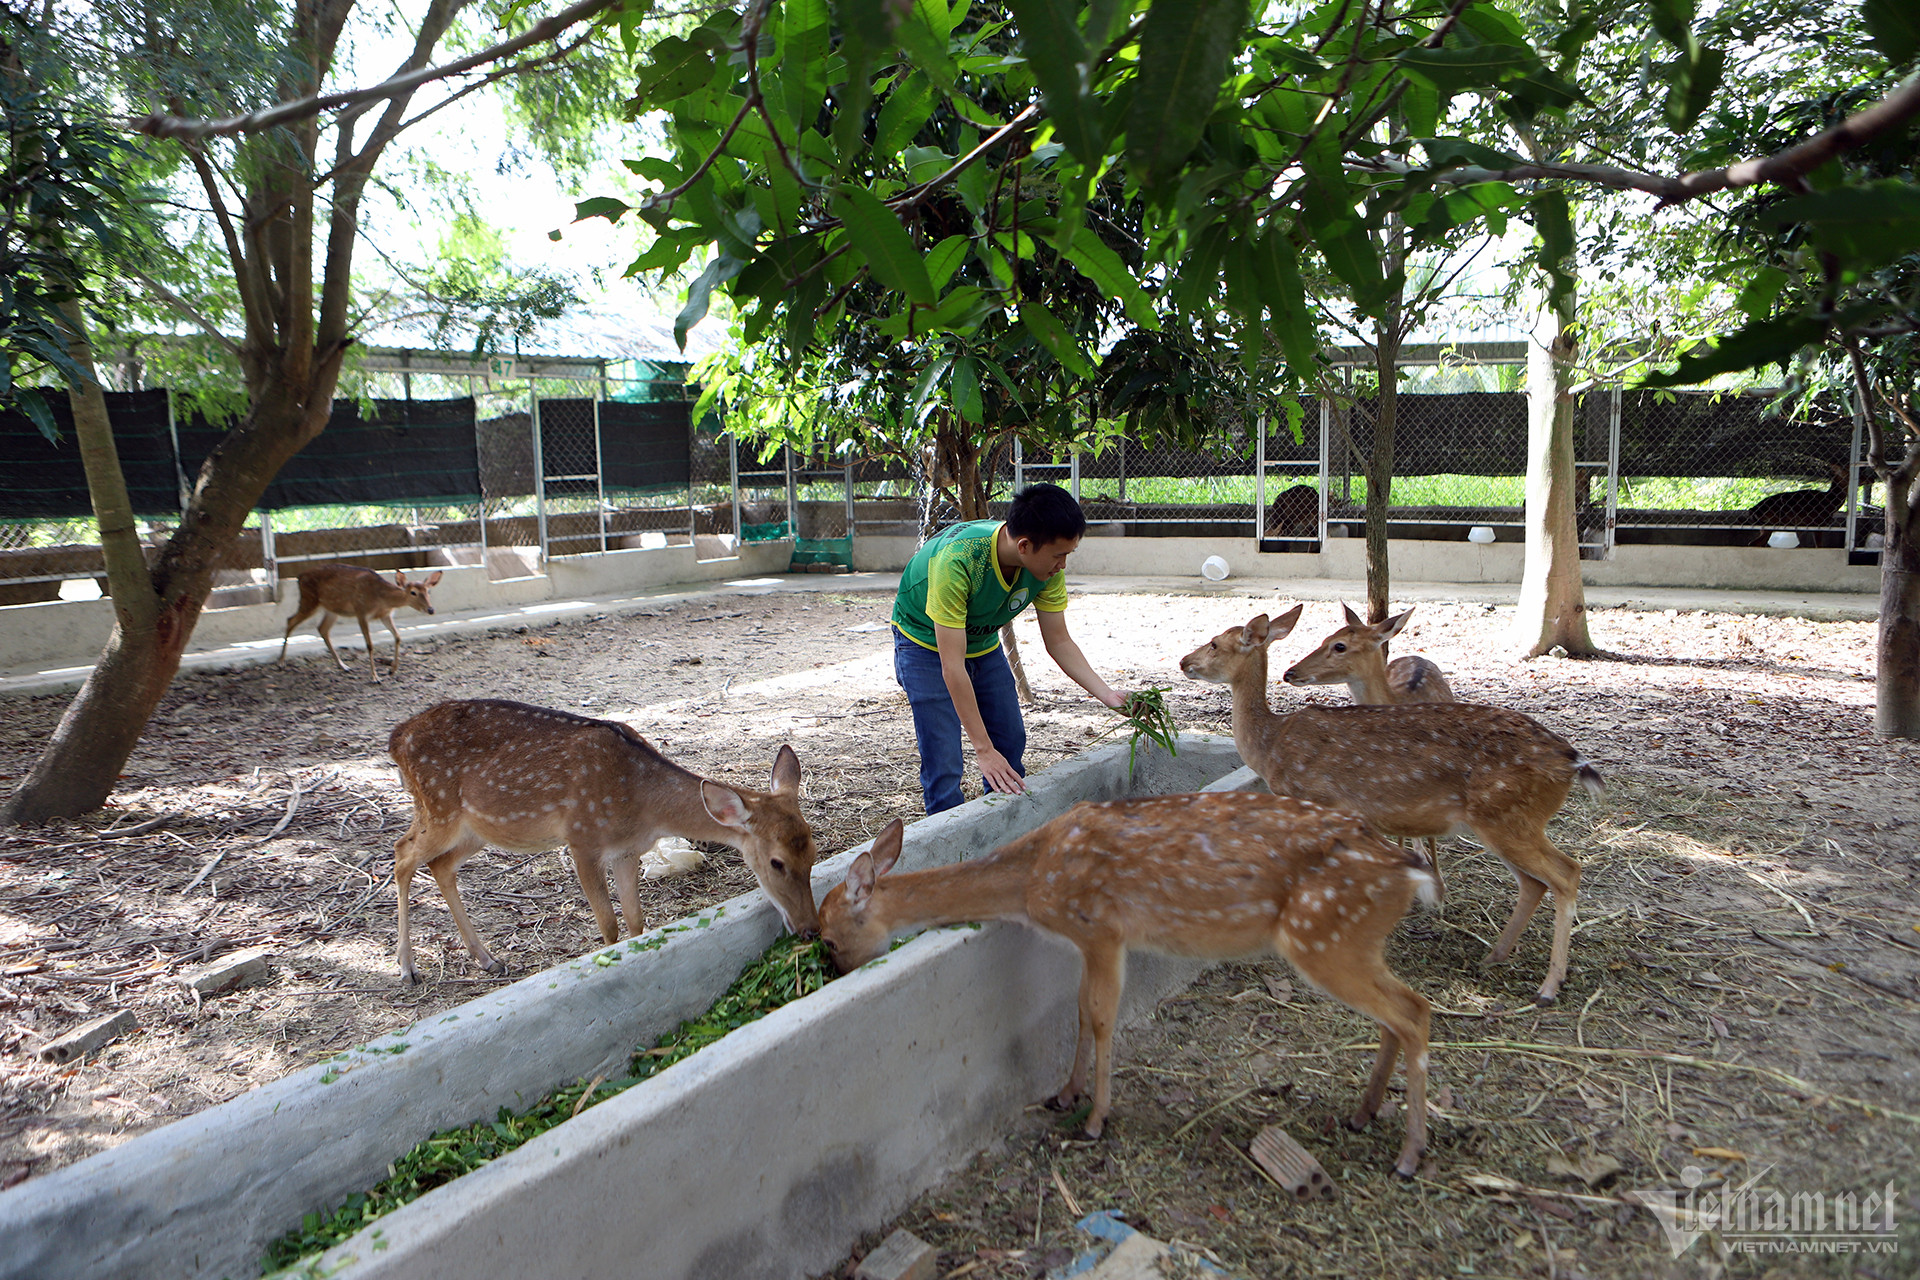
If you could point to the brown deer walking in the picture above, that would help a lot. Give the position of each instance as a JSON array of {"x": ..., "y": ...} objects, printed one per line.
[
  {"x": 1356, "y": 656},
  {"x": 526, "y": 779},
  {"x": 1215, "y": 875},
  {"x": 1421, "y": 770},
  {"x": 1801, "y": 508},
  {"x": 343, "y": 589},
  {"x": 1294, "y": 513}
]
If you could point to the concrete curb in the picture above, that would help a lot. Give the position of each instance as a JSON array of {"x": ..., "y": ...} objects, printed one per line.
[{"x": 203, "y": 1197}]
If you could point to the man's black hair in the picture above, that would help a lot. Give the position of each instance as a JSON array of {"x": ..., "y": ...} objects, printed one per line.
[{"x": 1044, "y": 513}]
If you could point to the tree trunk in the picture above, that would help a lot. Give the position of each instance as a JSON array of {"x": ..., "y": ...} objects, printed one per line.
[
  {"x": 1380, "y": 461},
  {"x": 1553, "y": 601},
  {"x": 1896, "y": 709},
  {"x": 84, "y": 757}
]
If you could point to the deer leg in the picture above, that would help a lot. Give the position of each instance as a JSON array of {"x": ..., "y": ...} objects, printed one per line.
[
  {"x": 443, "y": 869},
  {"x": 292, "y": 622},
  {"x": 326, "y": 638},
  {"x": 1105, "y": 970},
  {"x": 626, "y": 883},
  {"x": 593, "y": 882},
  {"x": 366, "y": 638},
  {"x": 1540, "y": 868},
  {"x": 1365, "y": 984},
  {"x": 404, "y": 864},
  {"x": 396, "y": 642}
]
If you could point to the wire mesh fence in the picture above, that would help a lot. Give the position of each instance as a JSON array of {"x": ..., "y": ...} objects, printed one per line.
[{"x": 510, "y": 468}]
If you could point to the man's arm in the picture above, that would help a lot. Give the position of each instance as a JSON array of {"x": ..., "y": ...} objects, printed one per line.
[
  {"x": 996, "y": 768},
  {"x": 1067, "y": 656}
]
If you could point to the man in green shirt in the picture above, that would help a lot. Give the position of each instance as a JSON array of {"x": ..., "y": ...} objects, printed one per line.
[{"x": 967, "y": 582}]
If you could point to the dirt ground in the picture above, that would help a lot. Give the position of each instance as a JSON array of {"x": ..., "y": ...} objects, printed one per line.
[{"x": 1744, "y": 998}]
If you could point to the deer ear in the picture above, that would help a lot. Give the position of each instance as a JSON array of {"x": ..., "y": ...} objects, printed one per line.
[
  {"x": 1392, "y": 626},
  {"x": 400, "y": 576},
  {"x": 432, "y": 578},
  {"x": 886, "y": 847},
  {"x": 1254, "y": 634},
  {"x": 786, "y": 772},
  {"x": 724, "y": 805},
  {"x": 860, "y": 878},
  {"x": 1283, "y": 625}
]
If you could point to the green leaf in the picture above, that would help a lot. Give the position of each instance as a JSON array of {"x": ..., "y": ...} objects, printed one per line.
[
  {"x": 1045, "y": 326},
  {"x": 1764, "y": 342},
  {"x": 1351, "y": 256},
  {"x": 1866, "y": 225},
  {"x": 923, "y": 388},
  {"x": 967, "y": 401},
  {"x": 1097, "y": 261},
  {"x": 677, "y": 67},
  {"x": 1187, "y": 49},
  {"x": 878, "y": 236},
  {"x": 1455, "y": 69},
  {"x": 804, "y": 40},
  {"x": 945, "y": 258},
  {"x": 721, "y": 269},
  {"x": 1673, "y": 19},
  {"x": 600, "y": 207},
  {"x": 33, "y": 402},
  {"x": 870, "y": 21},
  {"x": 1894, "y": 26},
  {"x": 908, "y": 107},
  {"x": 927, "y": 50},
  {"x": 1057, "y": 55},
  {"x": 1555, "y": 225},
  {"x": 1693, "y": 81},
  {"x": 1454, "y": 153},
  {"x": 668, "y": 252},
  {"x": 1758, "y": 296}
]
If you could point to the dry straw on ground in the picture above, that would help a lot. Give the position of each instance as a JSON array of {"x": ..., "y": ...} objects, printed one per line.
[{"x": 1742, "y": 998}]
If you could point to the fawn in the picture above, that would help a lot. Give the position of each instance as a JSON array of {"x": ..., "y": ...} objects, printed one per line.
[
  {"x": 1356, "y": 656},
  {"x": 1216, "y": 875},
  {"x": 528, "y": 779},
  {"x": 1423, "y": 770},
  {"x": 344, "y": 589}
]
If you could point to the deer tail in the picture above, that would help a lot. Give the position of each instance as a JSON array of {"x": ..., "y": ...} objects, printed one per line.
[{"x": 1589, "y": 777}]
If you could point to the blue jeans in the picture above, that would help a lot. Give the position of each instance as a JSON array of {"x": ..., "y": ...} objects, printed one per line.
[{"x": 936, "y": 723}]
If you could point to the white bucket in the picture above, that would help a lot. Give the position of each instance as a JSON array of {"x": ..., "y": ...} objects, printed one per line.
[
  {"x": 1213, "y": 569},
  {"x": 1480, "y": 533},
  {"x": 1780, "y": 539}
]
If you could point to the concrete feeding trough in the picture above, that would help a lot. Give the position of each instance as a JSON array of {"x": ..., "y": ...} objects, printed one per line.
[{"x": 765, "y": 1155}]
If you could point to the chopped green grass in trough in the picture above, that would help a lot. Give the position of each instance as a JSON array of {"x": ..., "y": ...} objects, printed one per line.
[
  {"x": 1147, "y": 710},
  {"x": 785, "y": 971}
]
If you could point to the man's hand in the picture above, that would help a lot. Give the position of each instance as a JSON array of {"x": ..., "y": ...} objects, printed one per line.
[
  {"x": 1000, "y": 775},
  {"x": 1117, "y": 701}
]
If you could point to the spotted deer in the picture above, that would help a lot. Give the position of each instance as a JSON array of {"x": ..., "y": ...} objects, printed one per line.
[
  {"x": 1427, "y": 769},
  {"x": 527, "y": 779},
  {"x": 1216, "y": 875},
  {"x": 350, "y": 589},
  {"x": 1356, "y": 656}
]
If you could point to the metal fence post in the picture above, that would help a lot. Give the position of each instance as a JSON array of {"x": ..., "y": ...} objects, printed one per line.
[
  {"x": 849, "y": 501},
  {"x": 1259, "y": 477},
  {"x": 269, "y": 561},
  {"x": 1613, "y": 468},
  {"x": 1326, "y": 465},
  {"x": 793, "y": 504},
  {"x": 1074, "y": 473},
  {"x": 539, "y": 471},
  {"x": 1853, "y": 537},
  {"x": 480, "y": 468},
  {"x": 599, "y": 474},
  {"x": 733, "y": 480},
  {"x": 1019, "y": 466}
]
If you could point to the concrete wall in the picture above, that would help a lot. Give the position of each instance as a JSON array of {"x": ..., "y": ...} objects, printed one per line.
[
  {"x": 73, "y": 631},
  {"x": 58, "y": 632},
  {"x": 764, "y": 1156}
]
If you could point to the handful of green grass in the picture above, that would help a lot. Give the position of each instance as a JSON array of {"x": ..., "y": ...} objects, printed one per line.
[
  {"x": 785, "y": 971},
  {"x": 1147, "y": 710}
]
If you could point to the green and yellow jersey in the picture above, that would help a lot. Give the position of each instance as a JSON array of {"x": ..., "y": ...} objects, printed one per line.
[{"x": 955, "y": 581}]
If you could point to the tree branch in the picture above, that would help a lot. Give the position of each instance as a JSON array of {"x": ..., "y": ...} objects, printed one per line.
[
  {"x": 1898, "y": 107},
  {"x": 170, "y": 126}
]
